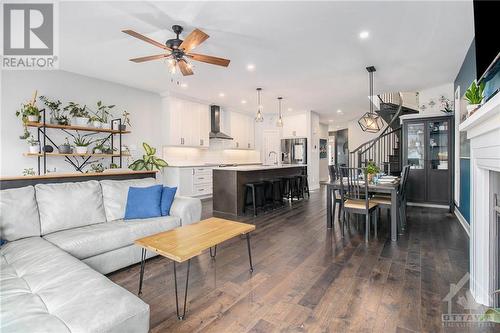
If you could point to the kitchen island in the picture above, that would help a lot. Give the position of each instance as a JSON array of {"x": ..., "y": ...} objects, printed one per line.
[{"x": 229, "y": 183}]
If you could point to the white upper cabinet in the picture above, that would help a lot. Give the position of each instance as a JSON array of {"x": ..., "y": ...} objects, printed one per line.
[
  {"x": 295, "y": 126},
  {"x": 187, "y": 124},
  {"x": 242, "y": 130}
]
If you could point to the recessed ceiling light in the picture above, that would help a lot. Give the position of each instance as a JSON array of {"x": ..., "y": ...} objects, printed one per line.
[
  {"x": 330, "y": 120},
  {"x": 222, "y": 94},
  {"x": 339, "y": 111},
  {"x": 364, "y": 34},
  {"x": 289, "y": 109},
  {"x": 243, "y": 101},
  {"x": 184, "y": 85},
  {"x": 250, "y": 67}
]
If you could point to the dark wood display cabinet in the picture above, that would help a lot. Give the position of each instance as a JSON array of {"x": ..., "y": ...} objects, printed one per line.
[{"x": 428, "y": 149}]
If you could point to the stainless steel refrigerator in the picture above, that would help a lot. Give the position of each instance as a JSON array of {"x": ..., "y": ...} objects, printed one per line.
[{"x": 294, "y": 151}]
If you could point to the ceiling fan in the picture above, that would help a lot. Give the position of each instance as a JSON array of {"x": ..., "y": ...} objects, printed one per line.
[{"x": 178, "y": 51}]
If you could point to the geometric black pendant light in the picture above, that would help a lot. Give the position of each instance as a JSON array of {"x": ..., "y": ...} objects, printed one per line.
[{"x": 370, "y": 121}]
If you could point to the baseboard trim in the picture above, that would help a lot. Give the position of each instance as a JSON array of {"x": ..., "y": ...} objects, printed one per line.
[
  {"x": 462, "y": 221},
  {"x": 418, "y": 204}
]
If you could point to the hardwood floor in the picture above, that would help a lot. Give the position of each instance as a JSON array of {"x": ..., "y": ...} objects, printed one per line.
[{"x": 308, "y": 279}]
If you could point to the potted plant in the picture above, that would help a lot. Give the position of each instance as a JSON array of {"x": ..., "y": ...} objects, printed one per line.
[
  {"x": 80, "y": 114},
  {"x": 97, "y": 168},
  {"x": 65, "y": 148},
  {"x": 82, "y": 143},
  {"x": 148, "y": 161},
  {"x": 474, "y": 96},
  {"x": 28, "y": 172},
  {"x": 446, "y": 105},
  {"x": 125, "y": 121},
  {"x": 34, "y": 145},
  {"x": 371, "y": 170},
  {"x": 29, "y": 112},
  {"x": 57, "y": 115},
  {"x": 96, "y": 121},
  {"x": 103, "y": 113},
  {"x": 99, "y": 147}
]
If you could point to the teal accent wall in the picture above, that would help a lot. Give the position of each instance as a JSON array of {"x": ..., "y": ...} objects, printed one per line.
[{"x": 464, "y": 207}]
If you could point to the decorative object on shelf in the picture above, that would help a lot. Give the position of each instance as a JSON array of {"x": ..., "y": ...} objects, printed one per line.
[
  {"x": 149, "y": 161},
  {"x": 125, "y": 121},
  {"x": 57, "y": 115},
  {"x": 279, "y": 122},
  {"x": 99, "y": 147},
  {"x": 446, "y": 104},
  {"x": 371, "y": 170},
  {"x": 370, "y": 121},
  {"x": 95, "y": 121},
  {"x": 28, "y": 172},
  {"x": 82, "y": 143},
  {"x": 80, "y": 114},
  {"x": 65, "y": 148},
  {"x": 29, "y": 112},
  {"x": 474, "y": 96},
  {"x": 96, "y": 167},
  {"x": 113, "y": 166},
  {"x": 178, "y": 51},
  {"x": 103, "y": 114},
  {"x": 34, "y": 145},
  {"x": 259, "y": 117},
  {"x": 47, "y": 149}
]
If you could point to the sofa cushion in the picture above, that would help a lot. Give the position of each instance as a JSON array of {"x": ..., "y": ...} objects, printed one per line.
[
  {"x": 92, "y": 240},
  {"x": 69, "y": 205},
  {"x": 167, "y": 198},
  {"x": 188, "y": 209},
  {"x": 44, "y": 289},
  {"x": 115, "y": 195},
  {"x": 19, "y": 214},
  {"x": 143, "y": 202}
]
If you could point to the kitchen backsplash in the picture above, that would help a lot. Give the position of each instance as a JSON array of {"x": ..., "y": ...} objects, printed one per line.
[{"x": 184, "y": 156}]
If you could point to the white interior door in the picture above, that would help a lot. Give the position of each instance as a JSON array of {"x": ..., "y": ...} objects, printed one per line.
[{"x": 271, "y": 142}]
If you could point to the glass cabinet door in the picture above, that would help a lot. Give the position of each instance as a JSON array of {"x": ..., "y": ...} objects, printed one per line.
[
  {"x": 416, "y": 145},
  {"x": 438, "y": 145}
]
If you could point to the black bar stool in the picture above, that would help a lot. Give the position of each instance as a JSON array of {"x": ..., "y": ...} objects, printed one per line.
[
  {"x": 290, "y": 186},
  {"x": 304, "y": 185},
  {"x": 257, "y": 190},
  {"x": 274, "y": 194}
]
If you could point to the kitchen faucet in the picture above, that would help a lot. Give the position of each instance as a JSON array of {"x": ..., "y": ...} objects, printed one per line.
[{"x": 275, "y": 156}]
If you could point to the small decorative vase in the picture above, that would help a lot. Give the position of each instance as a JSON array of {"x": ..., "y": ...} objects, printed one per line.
[
  {"x": 122, "y": 127},
  {"x": 81, "y": 149},
  {"x": 370, "y": 178},
  {"x": 97, "y": 151},
  {"x": 96, "y": 124},
  {"x": 48, "y": 149},
  {"x": 471, "y": 108},
  {"x": 34, "y": 149},
  {"x": 80, "y": 121},
  {"x": 64, "y": 149},
  {"x": 33, "y": 119}
]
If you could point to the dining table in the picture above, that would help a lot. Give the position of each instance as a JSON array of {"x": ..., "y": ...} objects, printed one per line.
[{"x": 381, "y": 187}]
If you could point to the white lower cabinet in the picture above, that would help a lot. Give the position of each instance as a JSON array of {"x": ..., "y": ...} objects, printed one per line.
[{"x": 190, "y": 182}]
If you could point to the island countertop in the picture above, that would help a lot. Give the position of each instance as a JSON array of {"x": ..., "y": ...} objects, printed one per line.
[{"x": 261, "y": 167}]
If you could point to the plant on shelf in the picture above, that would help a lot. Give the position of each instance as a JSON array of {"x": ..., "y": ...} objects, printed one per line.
[
  {"x": 103, "y": 113},
  {"x": 446, "y": 105},
  {"x": 28, "y": 172},
  {"x": 371, "y": 170},
  {"x": 34, "y": 145},
  {"x": 100, "y": 148},
  {"x": 80, "y": 114},
  {"x": 82, "y": 142},
  {"x": 125, "y": 121},
  {"x": 64, "y": 148},
  {"x": 96, "y": 167},
  {"x": 29, "y": 112},
  {"x": 95, "y": 121},
  {"x": 149, "y": 161},
  {"x": 474, "y": 96},
  {"x": 57, "y": 115}
]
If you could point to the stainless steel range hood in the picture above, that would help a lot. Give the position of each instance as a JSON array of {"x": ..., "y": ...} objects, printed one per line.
[{"x": 215, "y": 132}]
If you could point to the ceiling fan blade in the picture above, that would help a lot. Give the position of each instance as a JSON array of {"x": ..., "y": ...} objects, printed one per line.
[
  {"x": 146, "y": 39},
  {"x": 184, "y": 67},
  {"x": 195, "y": 38},
  {"x": 209, "y": 59},
  {"x": 152, "y": 57}
]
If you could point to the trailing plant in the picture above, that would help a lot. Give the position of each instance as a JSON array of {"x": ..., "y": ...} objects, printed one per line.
[
  {"x": 474, "y": 94},
  {"x": 27, "y": 109},
  {"x": 75, "y": 110},
  {"x": 55, "y": 110},
  {"x": 28, "y": 172},
  {"x": 82, "y": 140},
  {"x": 149, "y": 161},
  {"x": 372, "y": 168}
]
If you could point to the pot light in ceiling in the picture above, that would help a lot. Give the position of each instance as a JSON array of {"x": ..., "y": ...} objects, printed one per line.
[
  {"x": 184, "y": 85},
  {"x": 290, "y": 109},
  {"x": 364, "y": 34},
  {"x": 250, "y": 67},
  {"x": 330, "y": 120},
  {"x": 221, "y": 94},
  {"x": 243, "y": 101},
  {"x": 339, "y": 111}
]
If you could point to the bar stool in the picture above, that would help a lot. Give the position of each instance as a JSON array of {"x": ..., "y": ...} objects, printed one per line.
[
  {"x": 274, "y": 192},
  {"x": 257, "y": 190},
  {"x": 304, "y": 185},
  {"x": 290, "y": 187}
]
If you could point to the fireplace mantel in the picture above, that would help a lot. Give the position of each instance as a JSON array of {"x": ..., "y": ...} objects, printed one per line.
[{"x": 483, "y": 130}]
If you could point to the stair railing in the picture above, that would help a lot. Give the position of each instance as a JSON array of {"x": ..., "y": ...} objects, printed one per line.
[{"x": 380, "y": 149}]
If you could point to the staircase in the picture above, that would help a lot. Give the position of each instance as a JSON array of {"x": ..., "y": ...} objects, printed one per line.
[{"x": 385, "y": 150}]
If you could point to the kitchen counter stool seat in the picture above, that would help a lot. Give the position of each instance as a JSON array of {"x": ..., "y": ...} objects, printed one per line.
[{"x": 257, "y": 196}]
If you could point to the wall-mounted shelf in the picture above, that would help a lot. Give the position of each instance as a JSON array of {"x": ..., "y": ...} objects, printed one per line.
[{"x": 77, "y": 128}]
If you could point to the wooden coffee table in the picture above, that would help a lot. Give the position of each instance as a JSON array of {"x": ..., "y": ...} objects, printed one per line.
[{"x": 186, "y": 242}]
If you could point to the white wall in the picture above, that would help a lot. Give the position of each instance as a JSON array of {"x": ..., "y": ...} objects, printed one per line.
[
  {"x": 18, "y": 86},
  {"x": 433, "y": 94}
]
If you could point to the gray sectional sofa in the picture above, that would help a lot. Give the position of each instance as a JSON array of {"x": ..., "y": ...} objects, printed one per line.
[{"x": 61, "y": 239}]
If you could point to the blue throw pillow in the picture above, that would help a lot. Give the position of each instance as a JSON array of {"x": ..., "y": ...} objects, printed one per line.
[
  {"x": 143, "y": 202},
  {"x": 167, "y": 198}
]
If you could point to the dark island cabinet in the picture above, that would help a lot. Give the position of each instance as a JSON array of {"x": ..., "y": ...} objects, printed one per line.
[{"x": 428, "y": 149}]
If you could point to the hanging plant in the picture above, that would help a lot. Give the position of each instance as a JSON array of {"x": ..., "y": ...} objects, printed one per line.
[
  {"x": 29, "y": 112},
  {"x": 149, "y": 161}
]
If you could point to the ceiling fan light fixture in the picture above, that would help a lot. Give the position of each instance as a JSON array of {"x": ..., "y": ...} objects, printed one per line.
[
  {"x": 279, "y": 122},
  {"x": 259, "y": 117}
]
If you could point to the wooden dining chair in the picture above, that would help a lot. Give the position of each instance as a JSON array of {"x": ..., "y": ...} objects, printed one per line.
[
  {"x": 385, "y": 201},
  {"x": 355, "y": 198},
  {"x": 335, "y": 177}
]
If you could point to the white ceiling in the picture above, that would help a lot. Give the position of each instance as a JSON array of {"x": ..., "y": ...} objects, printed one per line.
[{"x": 308, "y": 52}]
